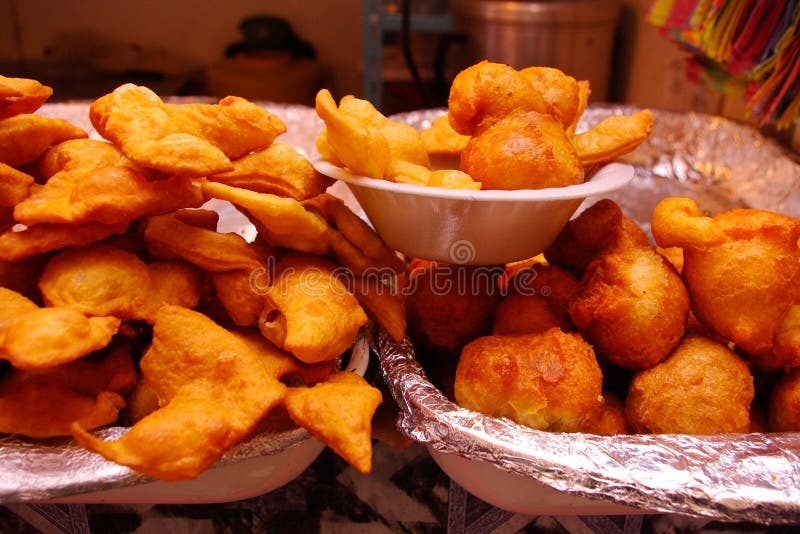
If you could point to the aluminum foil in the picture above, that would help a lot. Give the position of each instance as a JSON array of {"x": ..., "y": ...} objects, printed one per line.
[
  {"x": 752, "y": 477},
  {"x": 38, "y": 470}
]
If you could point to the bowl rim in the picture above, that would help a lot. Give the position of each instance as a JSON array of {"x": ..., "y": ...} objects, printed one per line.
[{"x": 606, "y": 179}]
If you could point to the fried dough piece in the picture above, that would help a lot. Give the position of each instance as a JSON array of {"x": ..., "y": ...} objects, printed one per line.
[
  {"x": 182, "y": 139},
  {"x": 610, "y": 419},
  {"x": 278, "y": 169},
  {"x": 536, "y": 154},
  {"x": 382, "y": 304},
  {"x": 584, "y": 91},
  {"x": 238, "y": 296},
  {"x": 485, "y": 92},
  {"x": 98, "y": 280},
  {"x": 558, "y": 89},
  {"x": 742, "y": 269},
  {"x": 613, "y": 137},
  {"x": 25, "y": 137},
  {"x": 360, "y": 147},
  {"x": 48, "y": 237},
  {"x": 404, "y": 141},
  {"x": 21, "y": 95},
  {"x": 309, "y": 312},
  {"x": 46, "y": 337},
  {"x": 632, "y": 306},
  {"x": 282, "y": 221},
  {"x": 784, "y": 403},
  {"x": 44, "y": 403},
  {"x": 200, "y": 217},
  {"x": 85, "y": 154},
  {"x": 175, "y": 282},
  {"x": 547, "y": 381},
  {"x": 338, "y": 411},
  {"x": 15, "y": 186},
  {"x": 12, "y": 305},
  {"x": 212, "y": 390},
  {"x": 600, "y": 228},
  {"x": 108, "y": 195},
  {"x": 167, "y": 238},
  {"x": 404, "y": 172},
  {"x": 443, "y": 143},
  {"x": 702, "y": 388}
]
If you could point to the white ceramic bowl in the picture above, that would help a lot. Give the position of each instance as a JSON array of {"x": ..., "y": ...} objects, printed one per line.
[{"x": 472, "y": 227}]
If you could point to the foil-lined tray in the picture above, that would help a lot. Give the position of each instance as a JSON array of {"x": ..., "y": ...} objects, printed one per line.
[{"x": 751, "y": 477}]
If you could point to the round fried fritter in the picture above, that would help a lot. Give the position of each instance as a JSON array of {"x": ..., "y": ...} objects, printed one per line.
[
  {"x": 632, "y": 306},
  {"x": 784, "y": 403},
  {"x": 610, "y": 418},
  {"x": 702, "y": 388},
  {"x": 558, "y": 89},
  {"x": 548, "y": 381},
  {"x": 522, "y": 150}
]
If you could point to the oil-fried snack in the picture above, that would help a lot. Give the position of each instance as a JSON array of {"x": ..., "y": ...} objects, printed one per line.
[
  {"x": 108, "y": 195},
  {"x": 613, "y": 137},
  {"x": 547, "y": 381},
  {"x": 85, "y": 154},
  {"x": 404, "y": 140},
  {"x": 353, "y": 242},
  {"x": 199, "y": 217},
  {"x": 487, "y": 91},
  {"x": 182, "y": 139},
  {"x": 278, "y": 169},
  {"x": 46, "y": 337},
  {"x": 168, "y": 238},
  {"x": 282, "y": 221},
  {"x": 22, "y": 276},
  {"x": 98, "y": 280},
  {"x": 558, "y": 89},
  {"x": 7, "y": 221},
  {"x": 536, "y": 153},
  {"x": 632, "y": 306},
  {"x": 239, "y": 295},
  {"x": 309, "y": 312},
  {"x": 141, "y": 402},
  {"x": 44, "y": 403},
  {"x": 784, "y": 403},
  {"x": 600, "y": 228},
  {"x": 584, "y": 91},
  {"x": 382, "y": 303},
  {"x": 212, "y": 390},
  {"x": 537, "y": 300},
  {"x": 338, "y": 411},
  {"x": 702, "y": 388},
  {"x": 17, "y": 245},
  {"x": 443, "y": 143},
  {"x": 450, "y": 305},
  {"x": 610, "y": 419},
  {"x": 175, "y": 282},
  {"x": 360, "y": 147},
  {"x": 12, "y": 305},
  {"x": 15, "y": 186},
  {"x": 742, "y": 269},
  {"x": 404, "y": 172},
  {"x": 21, "y": 95},
  {"x": 25, "y": 137}
]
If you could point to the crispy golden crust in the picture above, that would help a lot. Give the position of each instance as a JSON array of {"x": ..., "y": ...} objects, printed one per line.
[{"x": 784, "y": 403}]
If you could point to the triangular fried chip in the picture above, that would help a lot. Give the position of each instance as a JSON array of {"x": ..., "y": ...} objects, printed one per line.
[{"x": 338, "y": 411}]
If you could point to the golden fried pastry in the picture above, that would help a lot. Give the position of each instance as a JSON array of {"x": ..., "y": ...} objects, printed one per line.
[
  {"x": 46, "y": 337},
  {"x": 281, "y": 221},
  {"x": 547, "y": 381},
  {"x": 21, "y": 95},
  {"x": 600, "y": 228},
  {"x": 23, "y": 138},
  {"x": 610, "y": 419},
  {"x": 537, "y": 301},
  {"x": 17, "y": 245},
  {"x": 98, "y": 280},
  {"x": 536, "y": 153},
  {"x": 558, "y": 89},
  {"x": 362, "y": 148},
  {"x": 15, "y": 186},
  {"x": 212, "y": 389},
  {"x": 85, "y": 154},
  {"x": 278, "y": 169},
  {"x": 613, "y": 137},
  {"x": 200, "y": 218},
  {"x": 109, "y": 195},
  {"x": 382, "y": 303},
  {"x": 404, "y": 172},
  {"x": 13, "y": 304},
  {"x": 309, "y": 312},
  {"x": 44, "y": 403},
  {"x": 632, "y": 306},
  {"x": 239, "y": 297},
  {"x": 450, "y": 305},
  {"x": 584, "y": 91},
  {"x": 168, "y": 238},
  {"x": 702, "y": 388},
  {"x": 338, "y": 411},
  {"x": 182, "y": 139},
  {"x": 486, "y": 92},
  {"x": 175, "y": 282},
  {"x": 443, "y": 143},
  {"x": 742, "y": 269},
  {"x": 784, "y": 403}
]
